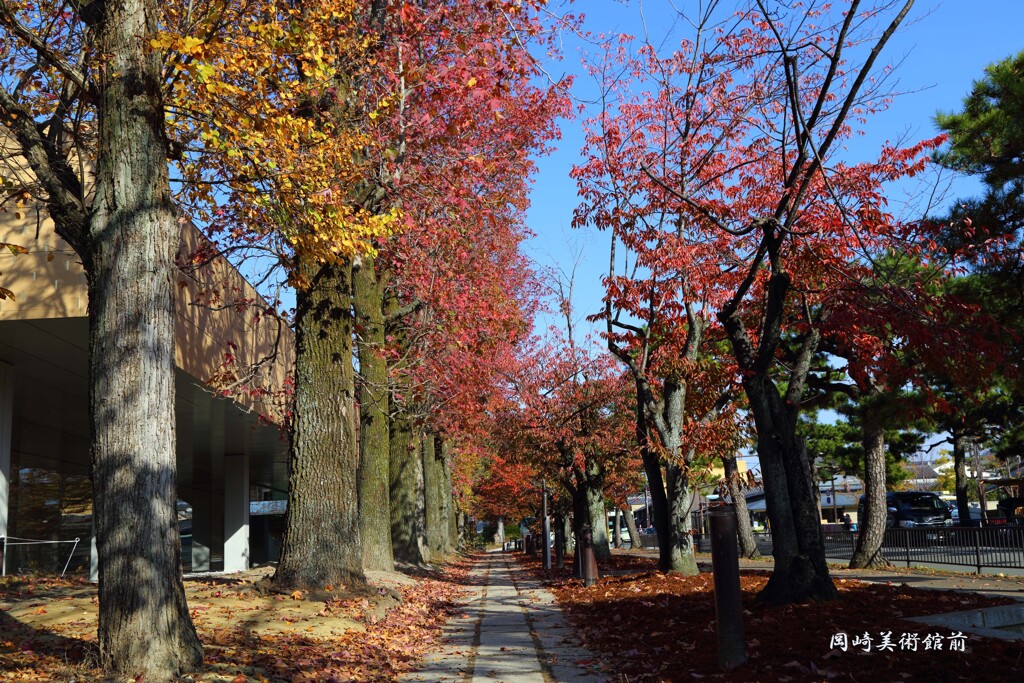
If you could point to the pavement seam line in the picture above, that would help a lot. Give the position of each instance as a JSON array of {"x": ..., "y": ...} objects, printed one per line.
[
  {"x": 477, "y": 628},
  {"x": 543, "y": 658}
]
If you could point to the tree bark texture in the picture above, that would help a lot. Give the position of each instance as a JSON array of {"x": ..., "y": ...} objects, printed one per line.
[
  {"x": 748, "y": 544},
  {"x": 634, "y": 534},
  {"x": 460, "y": 530},
  {"x": 448, "y": 512},
  {"x": 374, "y": 446},
  {"x": 868, "y": 552},
  {"x": 322, "y": 545},
  {"x": 801, "y": 572},
  {"x": 617, "y": 529},
  {"x": 656, "y": 484},
  {"x": 680, "y": 502},
  {"x": 144, "y": 624},
  {"x": 567, "y": 535},
  {"x": 408, "y": 516},
  {"x": 433, "y": 490},
  {"x": 594, "y": 491},
  {"x": 580, "y": 518}
]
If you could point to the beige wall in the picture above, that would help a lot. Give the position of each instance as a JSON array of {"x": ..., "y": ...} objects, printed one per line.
[
  {"x": 718, "y": 472},
  {"x": 55, "y": 287}
]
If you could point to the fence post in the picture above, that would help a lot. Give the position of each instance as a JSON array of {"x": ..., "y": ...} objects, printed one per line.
[
  {"x": 853, "y": 543},
  {"x": 977, "y": 548},
  {"x": 906, "y": 545}
]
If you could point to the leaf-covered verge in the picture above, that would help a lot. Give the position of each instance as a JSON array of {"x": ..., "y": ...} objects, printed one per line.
[
  {"x": 48, "y": 630},
  {"x": 652, "y": 627}
]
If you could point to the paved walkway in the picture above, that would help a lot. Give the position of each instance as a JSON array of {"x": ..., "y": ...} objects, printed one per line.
[
  {"x": 512, "y": 631},
  {"x": 985, "y": 584}
]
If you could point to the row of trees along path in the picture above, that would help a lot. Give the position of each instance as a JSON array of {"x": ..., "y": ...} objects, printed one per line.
[
  {"x": 376, "y": 155},
  {"x": 374, "y": 158}
]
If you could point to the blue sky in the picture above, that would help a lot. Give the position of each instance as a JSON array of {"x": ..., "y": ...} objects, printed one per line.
[{"x": 940, "y": 51}]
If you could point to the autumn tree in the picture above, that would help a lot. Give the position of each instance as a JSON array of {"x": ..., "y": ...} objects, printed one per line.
[
  {"x": 666, "y": 278},
  {"x": 753, "y": 124},
  {"x": 82, "y": 86},
  {"x": 461, "y": 112},
  {"x": 273, "y": 128}
]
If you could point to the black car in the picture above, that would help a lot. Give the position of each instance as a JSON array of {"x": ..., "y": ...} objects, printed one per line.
[
  {"x": 1013, "y": 510},
  {"x": 912, "y": 510}
]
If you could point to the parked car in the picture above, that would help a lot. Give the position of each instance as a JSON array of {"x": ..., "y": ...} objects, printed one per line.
[
  {"x": 995, "y": 517},
  {"x": 1013, "y": 510},
  {"x": 912, "y": 510}
]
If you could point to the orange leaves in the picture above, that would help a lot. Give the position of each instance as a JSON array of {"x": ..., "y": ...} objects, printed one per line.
[
  {"x": 187, "y": 45},
  {"x": 267, "y": 94}
]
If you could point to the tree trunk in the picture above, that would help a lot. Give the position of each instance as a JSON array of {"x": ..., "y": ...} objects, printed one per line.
[
  {"x": 597, "y": 516},
  {"x": 567, "y": 535},
  {"x": 408, "y": 518},
  {"x": 680, "y": 502},
  {"x": 748, "y": 544},
  {"x": 322, "y": 546},
  {"x": 460, "y": 530},
  {"x": 961, "y": 443},
  {"x": 617, "y": 529},
  {"x": 144, "y": 623},
  {"x": 448, "y": 514},
  {"x": 433, "y": 487},
  {"x": 374, "y": 447},
  {"x": 659, "y": 500},
  {"x": 801, "y": 572},
  {"x": 634, "y": 534},
  {"x": 580, "y": 518},
  {"x": 872, "y": 528}
]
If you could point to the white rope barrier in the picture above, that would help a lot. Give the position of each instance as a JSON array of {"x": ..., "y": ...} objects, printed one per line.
[{"x": 16, "y": 540}]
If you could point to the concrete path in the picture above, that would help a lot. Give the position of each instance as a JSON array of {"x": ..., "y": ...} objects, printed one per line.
[
  {"x": 985, "y": 584},
  {"x": 511, "y": 631}
]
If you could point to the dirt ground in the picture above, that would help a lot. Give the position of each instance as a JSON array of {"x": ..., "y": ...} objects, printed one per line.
[{"x": 48, "y": 628}]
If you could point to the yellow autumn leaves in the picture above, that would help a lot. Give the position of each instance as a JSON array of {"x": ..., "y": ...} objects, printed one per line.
[{"x": 263, "y": 106}]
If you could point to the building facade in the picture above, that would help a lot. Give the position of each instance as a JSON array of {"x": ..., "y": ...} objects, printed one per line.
[{"x": 229, "y": 452}]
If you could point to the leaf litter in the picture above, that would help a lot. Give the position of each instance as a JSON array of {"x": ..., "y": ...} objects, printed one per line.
[{"x": 48, "y": 629}]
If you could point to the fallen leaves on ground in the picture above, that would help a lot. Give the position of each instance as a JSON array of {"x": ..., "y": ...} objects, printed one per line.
[
  {"x": 248, "y": 636},
  {"x": 649, "y": 627}
]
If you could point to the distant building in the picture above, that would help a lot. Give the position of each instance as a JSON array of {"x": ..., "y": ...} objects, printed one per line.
[
  {"x": 923, "y": 476},
  {"x": 847, "y": 492}
]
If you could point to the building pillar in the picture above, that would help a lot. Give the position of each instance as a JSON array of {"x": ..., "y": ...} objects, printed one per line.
[
  {"x": 209, "y": 517},
  {"x": 236, "y": 511},
  {"x": 202, "y": 530},
  {"x": 6, "y": 426}
]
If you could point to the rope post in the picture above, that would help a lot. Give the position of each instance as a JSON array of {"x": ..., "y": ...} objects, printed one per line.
[
  {"x": 70, "y": 555},
  {"x": 728, "y": 598}
]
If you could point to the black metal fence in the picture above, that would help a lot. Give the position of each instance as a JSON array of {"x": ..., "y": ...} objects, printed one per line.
[{"x": 981, "y": 548}]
